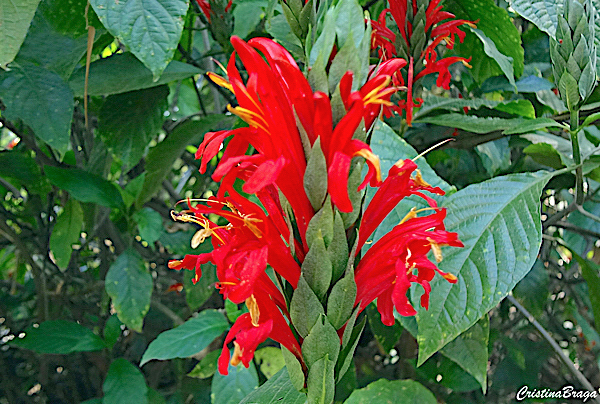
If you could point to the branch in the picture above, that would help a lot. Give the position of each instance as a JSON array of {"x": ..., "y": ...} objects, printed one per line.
[{"x": 582, "y": 379}]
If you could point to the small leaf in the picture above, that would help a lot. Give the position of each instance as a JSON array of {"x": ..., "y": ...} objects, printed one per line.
[
  {"x": 235, "y": 386},
  {"x": 322, "y": 340},
  {"x": 321, "y": 225},
  {"x": 150, "y": 29},
  {"x": 315, "y": 176},
  {"x": 149, "y": 223},
  {"x": 316, "y": 268},
  {"x": 348, "y": 348},
  {"x": 66, "y": 232},
  {"x": 188, "y": 339},
  {"x": 207, "y": 366},
  {"x": 14, "y": 23},
  {"x": 569, "y": 90},
  {"x": 124, "y": 384},
  {"x": 85, "y": 187},
  {"x": 338, "y": 249},
  {"x": 270, "y": 360},
  {"x": 340, "y": 302},
  {"x": 112, "y": 330},
  {"x": 122, "y": 73},
  {"x": 129, "y": 285},
  {"x": 41, "y": 99},
  {"x": 59, "y": 337},
  {"x": 305, "y": 308},
  {"x": 321, "y": 382},
  {"x": 277, "y": 390},
  {"x": 294, "y": 368},
  {"x": 394, "y": 391}
]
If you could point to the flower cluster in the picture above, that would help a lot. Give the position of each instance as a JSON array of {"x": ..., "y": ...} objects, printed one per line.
[
  {"x": 292, "y": 138},
  {"x": 419, "y": 23}
]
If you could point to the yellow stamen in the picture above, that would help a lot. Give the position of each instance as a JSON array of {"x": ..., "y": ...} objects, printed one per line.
[
  {"x": 450, "y": 277},
  {"x": 432, "y": 147},
  {"x": 410, "y": 215},
  {"x": 411, "y": 269},
  {"x": 250, "y": 117},
  {"x": 249, "y": 223},
  {"x": 419, "y": 180},
  {"x": 437, "y": 250},
  {"x": 368, "y": 155},
  {"x": 174, "y": 263},
  {"x": 237, "y": 354},
  {"x": 220, "y": 81},
  {"x": 375, "y": 96},
  {"x": 253, "y": 309},
  {"x": 200, "y": 236}
]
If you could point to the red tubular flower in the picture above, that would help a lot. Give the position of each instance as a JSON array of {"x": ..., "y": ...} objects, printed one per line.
[
  {"x": 205, "y": 7},
  {"x": 419, "y": 65}
]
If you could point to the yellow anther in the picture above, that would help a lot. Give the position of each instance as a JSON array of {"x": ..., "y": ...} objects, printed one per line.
[
  {"x": 200, "y": 236},
  {"x": 437, "y": 250},
  {"x": 419, "y": 180},
  {"x": 250, "y": 117},
  {"x": 410, "y": 215},
  {"x": 220, "y": 81},
  {"x": 253, "y": 309}
]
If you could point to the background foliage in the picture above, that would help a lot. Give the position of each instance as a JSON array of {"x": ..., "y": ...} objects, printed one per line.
[{"x": 88, "y": 307}]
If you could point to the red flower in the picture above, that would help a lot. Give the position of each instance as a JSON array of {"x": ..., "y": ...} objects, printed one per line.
[{"x": 205, "y": 7}]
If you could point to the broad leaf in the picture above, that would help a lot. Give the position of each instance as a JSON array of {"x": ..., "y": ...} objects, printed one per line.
[
  {"x": 197, "y": 294},
  {"x": 477, "y": 124},
  {"x": 24, "y": 170},
  {"x": 504, "y": 62},
  {"x": 41, "y": 99},
  {"x": 235, "y": 386},
  {"x": 128, "y": 121},
  {"x": 188, "y": 339},
  {"x": 85, "y": 187},
  {"x": 124, "y": 384},
  {"x": 394, "y": 391},
  {"x": 66, "y": 232},
  {"x": 470, "y": 350},
  {"x": 129, "y": 285},
  {"x": 121, "y": 73},
  {"x": 499, "y": 223},
  {"x": 162, "y": 156},
  {"x": 149, "y": 223},
  {"x": 59, "y": 337},
  {"x": 15, "y": 17},
  {"x": 543, "y": 13},
  {"x": 495, "y": 23},
  {"x": 278, "y": 389},
  {"x": 149, "y": 28},
  {"x": 269, "y": 360}
]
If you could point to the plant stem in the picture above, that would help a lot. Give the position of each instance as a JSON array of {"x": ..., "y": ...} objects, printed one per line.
[
  {"x": 582, "y": 379},
  {"x": 576, "y": 156}
]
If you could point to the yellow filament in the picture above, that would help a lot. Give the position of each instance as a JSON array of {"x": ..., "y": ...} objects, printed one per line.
[
  {"x": 373, "y": 159},
  {"x": 237, "y": 354},
  {"x": 250, "y": 117},
  {"x": 220, "y": 81},
  {"x": 419, "y": 180},
  {"x": 437, "y": 250}
]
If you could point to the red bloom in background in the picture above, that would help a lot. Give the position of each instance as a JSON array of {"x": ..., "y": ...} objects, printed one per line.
[
  {"x": 205, "y": 7},
  {"x": 427, "y": 62}
]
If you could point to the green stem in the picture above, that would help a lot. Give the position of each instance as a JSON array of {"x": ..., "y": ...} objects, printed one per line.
[{"x": 574, "y": 121}]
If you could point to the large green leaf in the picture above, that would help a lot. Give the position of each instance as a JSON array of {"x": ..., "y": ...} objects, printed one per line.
[
  {"x": 278, "y": 389},
  {"x": 85, "y": 187},
  {"x": 124, "y": 384},
  {"x": 129, "y": 285},
  {"x": 149, "y": 28},
  {"x": 128, "y": 121},
  {"x": 478, "y": 124},
  {"x": 235, "y": 386},
  {"x": 59, "y": 337},
  {"x": 41, "y": 99},
  {"x": 162, "y": 156},
  {"x": 15, "y": 17},
  {"x": 23, "y": 169},
  {"x": 121, "y": 73},
  {"x": 499, "y": 223},
  {"x": 543, "y": 13},
  {"x": 470, "y": 350},
  {"x": 66, "y": 232},
  {"x": 436, "y": 103},
  {"x": 504, "y": 62},
  {"x": 385, "y": 391},
  {"x": 495, "y": 23},
  {"x": 149, "y": 223},
  {"x": 188, "y": 339}
]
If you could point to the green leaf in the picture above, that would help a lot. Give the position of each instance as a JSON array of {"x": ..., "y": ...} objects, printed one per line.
[
  {"x": 338, "y": 248},
  {"x": 121, "y": 73},
  {"x": 127, "y": 122},
  {"x": 246, "y": 17},
  {"x": 305, "y": 308},
  {"x": 188, "y": 339},
  {"x": 321, "y": 382},
  {"x": 395, "y": 391},
  {"x": 294, "y": 368},
  {"x": 162, "y": 156},
  {"x": 85, "y": 187},
  {"x": 207, "y": 366},
  {"x": 477, "y": 124},
  {"x": 543, "y": 13},
  {"x": 129, "y": 285},
  {"x": 387, "y": 336},
  {"x": 496, "y": 24},
  {"x": 316, "y": 268},
  {"x": 315, "y": 176},
  {"x": 270, "y": 360},
  {"x": 149, "y": 28},
  {"x": 66, "y": 232},
  {"x": 277, "y": 390},
  {"x": 196, "y": 295},
  {"x": 321, "y": 225},
  {"x": 498, "y": 221},
  {"x": 505, "y": 62},
  {"x": 494, "y": 156},
  {"x": 23, "y": 169},
  {"x": 532, "y": 291},
  {"x": 59, "y": 337},
  {"x": 41, "y": 99},
  {"x": 321, "y": 340},
  {"x": 234, "y": 387},
  {"x": 112, "y": 330},
  {"x": 149, "y": 223},
  {"x": 340, "y": 302},
  {"x": 569, "y": 90},
  {"x": 349, "y": 342},
  {"x": 124, "y": 384},
  {"x": 590, "y": 271},
  {"x": 436, "y": 103},
  {"x": 470, "y": 350},
  {"x": 15, "y": 17}
]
